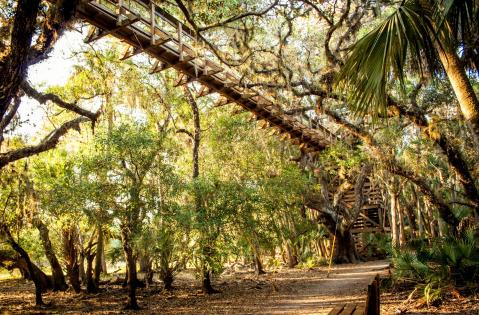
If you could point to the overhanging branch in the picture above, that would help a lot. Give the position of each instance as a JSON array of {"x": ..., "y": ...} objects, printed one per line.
[
  {"x": 49, "y": 142},
  {"x": 43, "y": 98}
]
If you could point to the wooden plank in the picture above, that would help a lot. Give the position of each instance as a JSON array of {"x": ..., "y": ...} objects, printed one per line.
[
  {"x": 372, "y": 300},
  {"x": 360, "y": 310},
  {"x": 131, "y": 51},
  {"x": 204, "y": 90},
  {"x": 349, "y": 309},
  {"x": 378, "y": 294},
  {"x": 336, "y": 310}
]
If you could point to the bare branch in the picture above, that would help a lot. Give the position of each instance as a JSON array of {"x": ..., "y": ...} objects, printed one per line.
[
  {"x": 43, "y": 98},
  {"x": 238, "y": 17},
  {"x": 181, "y": 130},
  {"x": 49, "y": 142}
]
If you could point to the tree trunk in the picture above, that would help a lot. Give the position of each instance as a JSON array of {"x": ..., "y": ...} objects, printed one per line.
[
  {"x": 420, "y": 221},
  {"x": 394, "y": 223},
  {"x": 257, "y": 257},
  {"x": 258, "y": 265},
  {"x": 73, "y": 274},
  {"x": 146, "y": 267},
  {"x": 98, "y": 257},
  {"x": 206, "y": 282},
  {"x": 345, "y": 248},
  {"x": 168, "y": 281},
  {"x": 90, "y": 282},
  {"x": 70, "y": 254},
  {"x": 292, "y": 259},
  {"x": 132, "y": 275},
  {"x": 81, "y": 258},
  {"x": 35, "y": 273},
  {"x": 461, "y": 85},
  {"x": 59, "y": 283},
  {"x": 104, "y": 268},
  {"x": 81, "y": 267},
  {"x": 402, "y": 234},
  {"x": 432, "y": 221}
]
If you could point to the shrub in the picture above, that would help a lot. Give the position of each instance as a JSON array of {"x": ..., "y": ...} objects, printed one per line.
[{"x": 439, "y": 267}]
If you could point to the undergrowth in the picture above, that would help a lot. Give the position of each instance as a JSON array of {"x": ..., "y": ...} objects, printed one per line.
[{"x": 439, "y": 267}]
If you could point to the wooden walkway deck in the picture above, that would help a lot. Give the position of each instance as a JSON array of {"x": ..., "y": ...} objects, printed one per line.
[{"x": 146, "y": 28}]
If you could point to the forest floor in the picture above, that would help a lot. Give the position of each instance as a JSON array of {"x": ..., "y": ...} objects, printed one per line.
[{"x": 287, "y": 291}]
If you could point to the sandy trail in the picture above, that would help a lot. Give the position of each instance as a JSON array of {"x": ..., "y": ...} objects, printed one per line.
[
  {"x": 289, "y": 291},
  {"x": 311, "y": 292}
]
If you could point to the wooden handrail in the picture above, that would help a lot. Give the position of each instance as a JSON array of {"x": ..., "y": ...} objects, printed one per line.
[{"x": 134, "y": 22}]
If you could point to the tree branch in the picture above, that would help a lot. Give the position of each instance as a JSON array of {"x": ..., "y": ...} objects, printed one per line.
[
  {"x": 238, "y": 17},
  {"x": 49, "y": 142},
  {"x": 43, "y": 98}
]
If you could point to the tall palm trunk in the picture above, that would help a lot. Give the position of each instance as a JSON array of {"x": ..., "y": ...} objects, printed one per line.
[{"x": 468, "y": 102}]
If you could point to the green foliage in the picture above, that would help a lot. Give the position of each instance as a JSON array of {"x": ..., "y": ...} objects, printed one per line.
[
  {"x": 383, "y": 52},
  {"x": 377, "y": 244},
  {"x": 435, "y": 267}
]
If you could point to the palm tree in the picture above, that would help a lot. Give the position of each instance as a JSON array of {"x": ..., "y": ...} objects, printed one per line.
[{"x": 426, "y": 35}]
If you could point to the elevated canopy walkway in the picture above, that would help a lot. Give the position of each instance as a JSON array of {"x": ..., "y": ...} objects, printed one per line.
[{"x": 146, "y": 28}]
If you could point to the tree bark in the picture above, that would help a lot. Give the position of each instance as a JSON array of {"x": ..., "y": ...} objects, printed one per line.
[
  {"x": 58, "y": 278},
  {"x": 420, "y": 221},
  {"x": 90, "y": 282},
  {"x": 14, "y": 64},
  {"x": 98, "y": 257},
  {"x": 132, "y": 302},
  {"x": 206, "y": 272},
  {"x": 257, "y": 260},
  {"x": 461, "y": 85},
  {"x": 291, "y": 257},
  {"x": 35, "y": 274},
  {"x": 394, "y": 222},
  {"x": 70, "y": 254},
  {"x": 345, "y": 248},
  {"x": 402, "y": 235}
]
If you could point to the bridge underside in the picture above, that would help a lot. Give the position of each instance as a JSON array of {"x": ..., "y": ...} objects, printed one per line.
[{"x": 146, "y": 28}]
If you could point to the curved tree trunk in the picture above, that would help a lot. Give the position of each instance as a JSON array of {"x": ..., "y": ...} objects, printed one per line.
[
  {"x": 58, "y": 278},
  {"x": 206, "y": 282},
  {"x": 462, "y": 87},
  {"x": 37, "y": 276}
]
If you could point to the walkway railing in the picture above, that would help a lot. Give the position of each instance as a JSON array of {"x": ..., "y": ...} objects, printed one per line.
[{"x": 146, "y": 28}]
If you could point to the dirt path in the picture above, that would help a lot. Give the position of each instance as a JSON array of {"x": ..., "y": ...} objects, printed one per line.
[
  {"x": 289, "y": 291},
  {"x": 309, "y": 292}
]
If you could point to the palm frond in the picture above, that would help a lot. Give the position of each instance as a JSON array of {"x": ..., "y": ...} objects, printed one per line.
[
  {"x": 381, "y": 55},
  {"x": 457, "y": 15}
]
